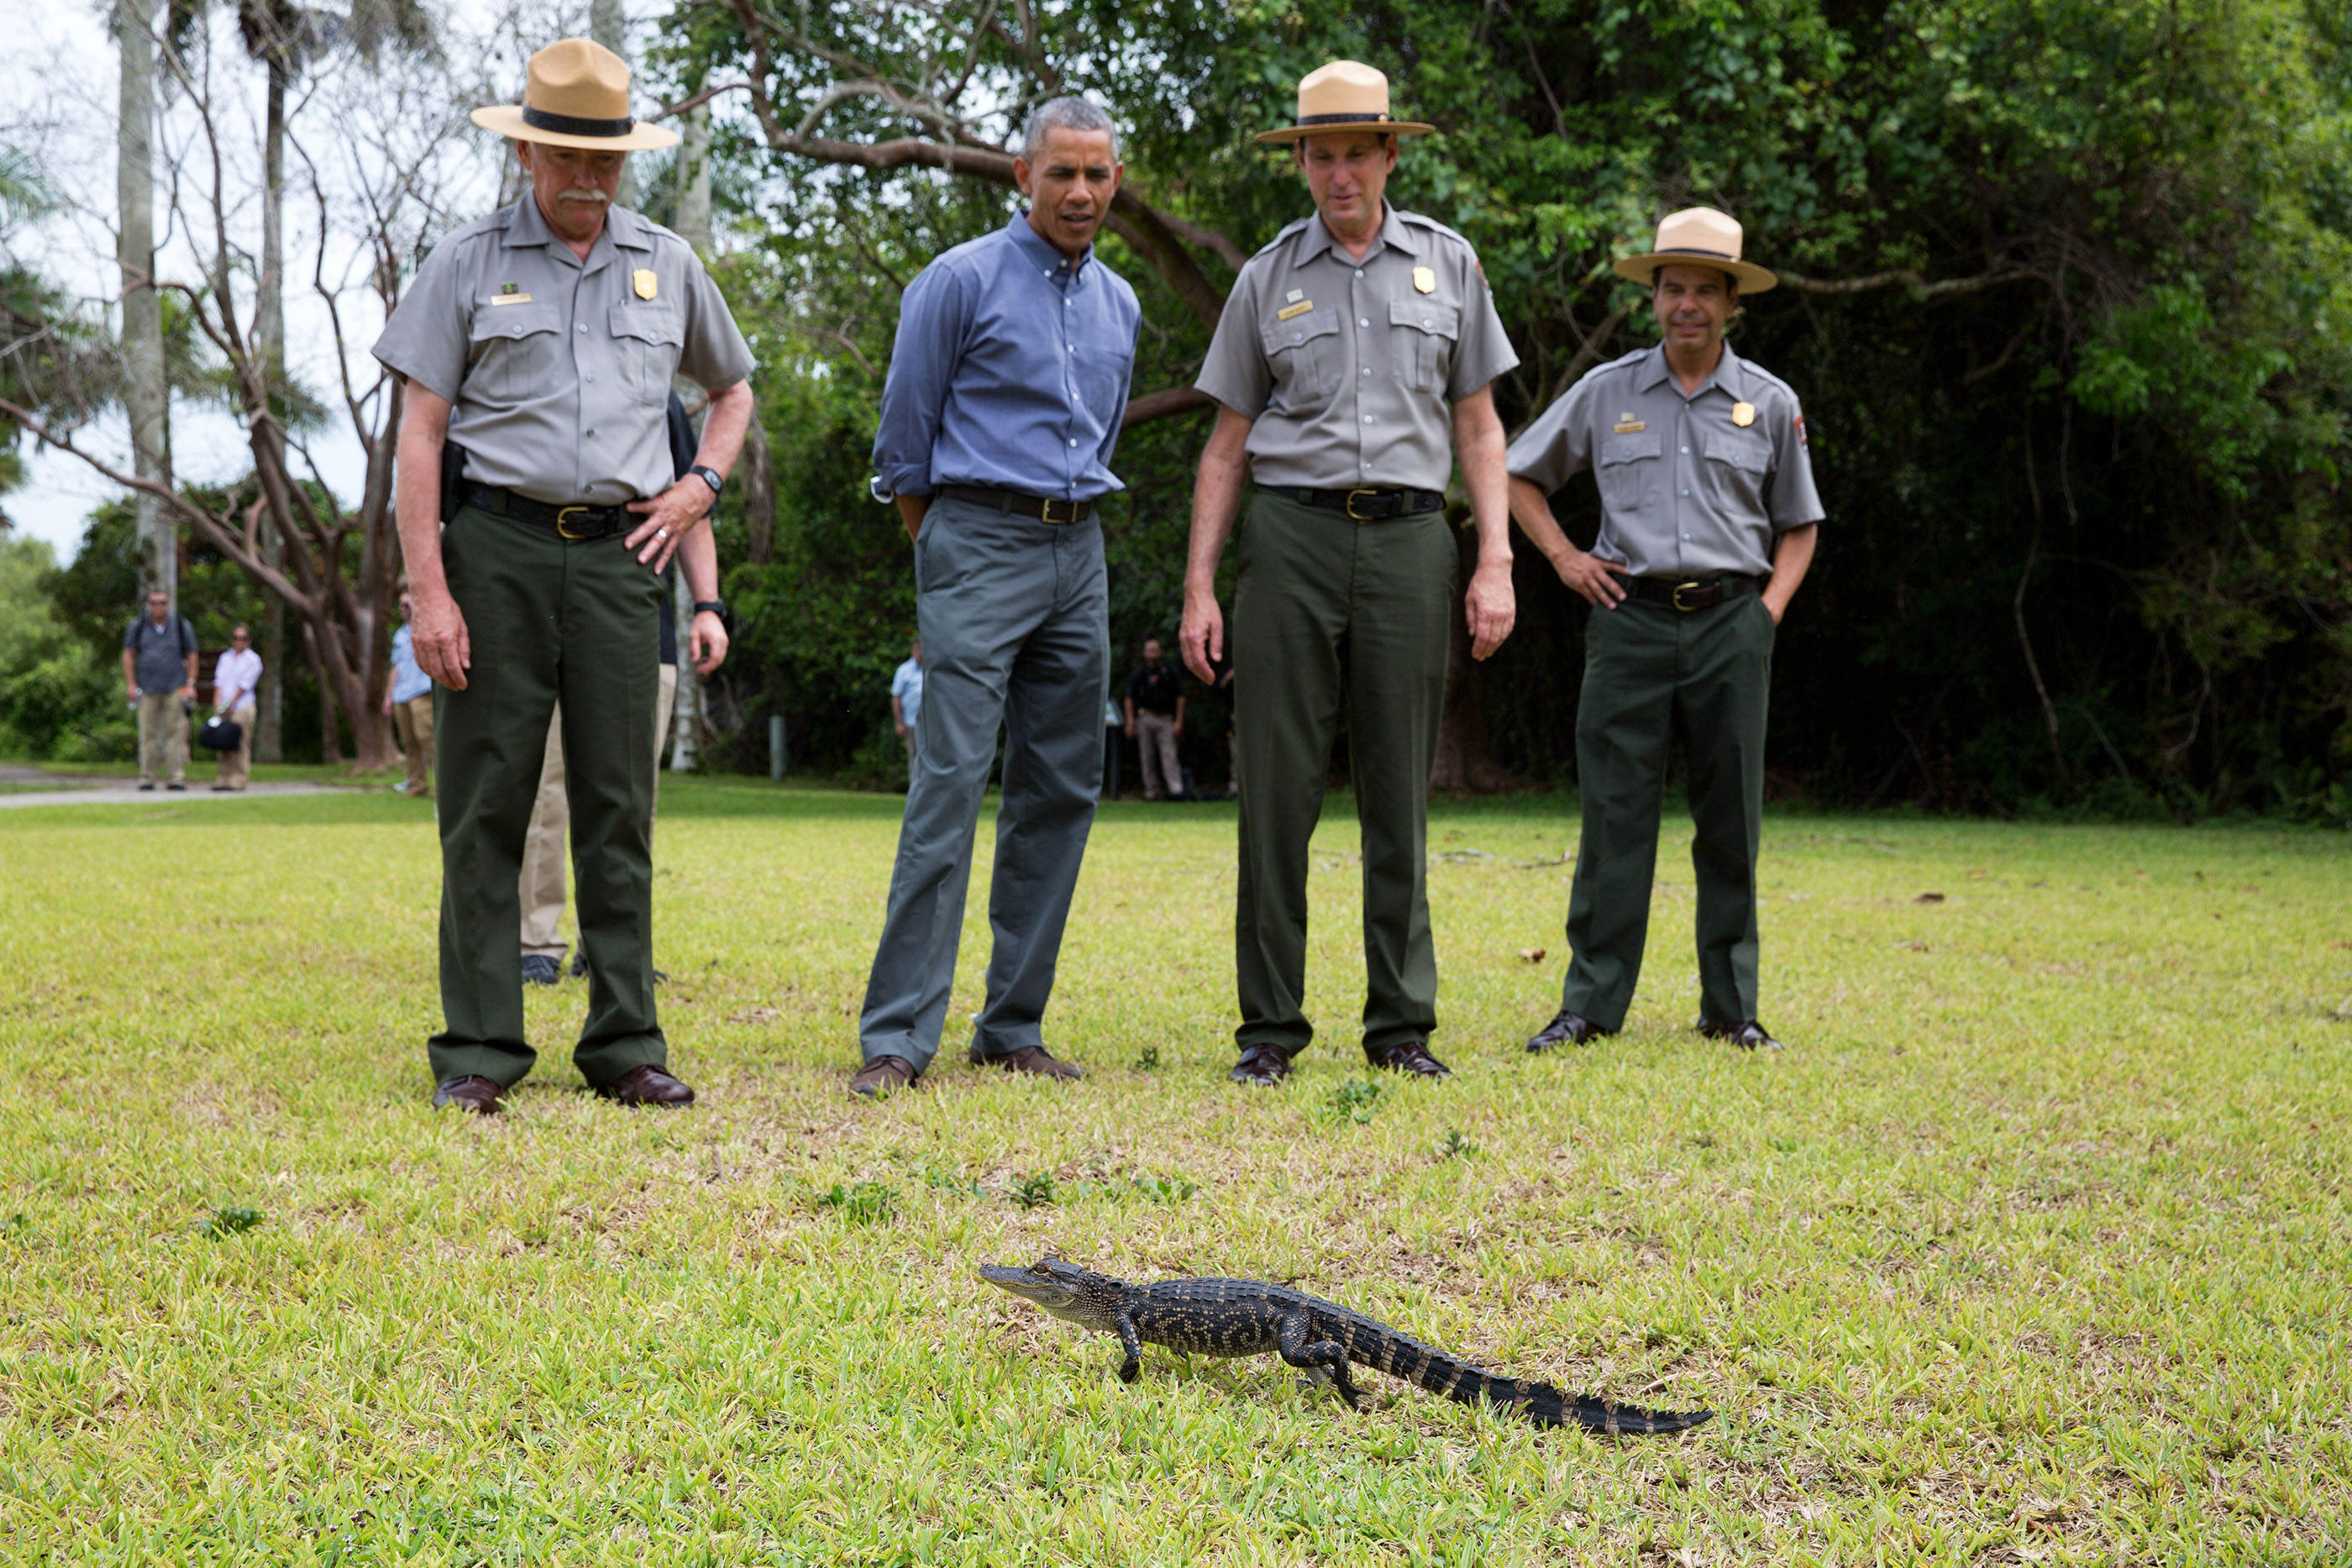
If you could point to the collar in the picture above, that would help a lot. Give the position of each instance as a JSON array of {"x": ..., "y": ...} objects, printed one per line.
[
  {"x": 1033, "y": 247},
  {"x": 528, "y": 225},
  {"x": 1729, "y": 376},
  {"x": 1393, "y": 235}
]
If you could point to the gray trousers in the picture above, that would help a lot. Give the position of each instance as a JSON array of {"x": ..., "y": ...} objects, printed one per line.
[{"x": 1014, "y": 615}]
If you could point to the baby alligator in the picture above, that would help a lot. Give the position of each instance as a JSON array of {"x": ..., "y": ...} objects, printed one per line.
[{"x": 1250, "y": 1317}]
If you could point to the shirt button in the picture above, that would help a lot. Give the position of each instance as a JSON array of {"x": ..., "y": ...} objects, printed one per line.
[
  {"x": 1685, "y": 451},
  {"x": 1685, "y": 492},
  {"x": 1367, "y": 419},
  {"x": 583, "y": 326},
  {"x": 1363, "y": 321},
  {"x": 1359, "y": 272},
  {"x": 1368, "y": 369},
  {"x": 589, "y": 378},
  {"x": 1074, "y": 441},
  {"x": 591, "y": 430}
]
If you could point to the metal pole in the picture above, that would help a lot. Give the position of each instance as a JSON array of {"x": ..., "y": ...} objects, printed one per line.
[{"x": 776, "y": 748}]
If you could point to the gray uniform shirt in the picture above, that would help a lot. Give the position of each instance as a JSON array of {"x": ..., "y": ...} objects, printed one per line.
[
  {"x": 1688, "y": 488},
  {"x": 1349, "y": 367},
  {"x": 559, "y": 370}
]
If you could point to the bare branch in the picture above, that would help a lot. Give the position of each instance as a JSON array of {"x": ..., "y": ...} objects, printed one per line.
[
  {"x": 1906, "y": 278},
  {"x": 1160, "y": 404}
]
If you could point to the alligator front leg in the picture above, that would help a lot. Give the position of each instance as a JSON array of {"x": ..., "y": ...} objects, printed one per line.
[
  {"x": 1323, "y": 1357},
  {"x": 1128, "y": 1341}
]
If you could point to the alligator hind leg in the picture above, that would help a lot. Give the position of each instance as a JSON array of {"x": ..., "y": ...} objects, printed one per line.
[
  {"x": 1324, "y": 1358},
  {"x": 1132, "y": 1367}
]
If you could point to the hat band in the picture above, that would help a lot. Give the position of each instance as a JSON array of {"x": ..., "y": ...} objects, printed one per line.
[
  {"x": 1379, "y": 118},
  {"x": 1694, "y": 250},
  {"x": 573, "y": 125}
]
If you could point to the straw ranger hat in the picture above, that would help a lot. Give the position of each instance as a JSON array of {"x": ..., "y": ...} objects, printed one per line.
[
  {"x": 1699, "y": 237},
  {"x": 576, "y": 94},
  {"x": 1344, "y": 96}
]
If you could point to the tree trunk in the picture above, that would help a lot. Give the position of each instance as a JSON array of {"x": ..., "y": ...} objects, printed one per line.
[
  {"x": 759, "y": 495},
  {"x": 269, "y": 712},
  {"x": 1465, "y": 765},
  {"x": 609, "y": 28},
  {"x": 143, "y": 393}
]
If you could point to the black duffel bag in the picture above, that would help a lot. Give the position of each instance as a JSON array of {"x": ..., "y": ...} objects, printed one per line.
[{"x": 221, "y": 735}]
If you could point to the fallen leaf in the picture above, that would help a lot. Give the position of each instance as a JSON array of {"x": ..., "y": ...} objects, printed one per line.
[
  {"x": 1534, "y": 954},
  {"x": 758, "y": 1015},
  {"x": 1929, "y": 898},
  {"x": 1915, "y": 946}
]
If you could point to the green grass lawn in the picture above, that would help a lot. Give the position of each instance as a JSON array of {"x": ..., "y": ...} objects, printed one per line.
[{"x": 2032, "y": 1246}]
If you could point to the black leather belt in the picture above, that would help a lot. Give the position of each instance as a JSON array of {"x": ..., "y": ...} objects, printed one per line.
[
  {"x": 1689, "y": 593},
  {"x": 573, "y": 522},
  {"x": 1366, "y": 504},
  {"x": 1044, "y": 508}
]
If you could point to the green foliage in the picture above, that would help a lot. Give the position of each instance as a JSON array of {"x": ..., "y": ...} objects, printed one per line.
[
  {"x": 56, "y": 695},
  {"x": 1034, "y": 1190},
  {"x": 1355, "y": 1099},
  {"x": 1453, "y": 1145},
  {"x": 862, "y": 1203},
  {"x": 226, "y": 1222}
]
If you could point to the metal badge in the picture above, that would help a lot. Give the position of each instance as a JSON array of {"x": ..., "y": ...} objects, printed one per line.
[
  {"x": 1301, "y": 308},
  {"x": 1743, "y": 414},
  {"x": 1631, "y": 426},
  {"x": 647, "y": 286},
  {"x": 1424, "y": 279}
]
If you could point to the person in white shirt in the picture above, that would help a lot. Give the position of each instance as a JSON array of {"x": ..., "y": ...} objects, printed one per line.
[
  {"x": 237, "y": 682},
  {"x": 907, "y": 706}
]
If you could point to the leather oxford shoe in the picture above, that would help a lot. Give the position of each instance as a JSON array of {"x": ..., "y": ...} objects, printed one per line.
[
  {"x": 883, "y": 1077},
  {"x": 1566, "y": 1028},
  {"x": 1412, "y": 1057},
  {"x": 1031, "y": 1059},
  {"x": 471, "y": 1092},
  {"x": 1261, "y": 1067},
  {"x": 1749, "y": 1036},
  {"x": 647, "y": 1085}
]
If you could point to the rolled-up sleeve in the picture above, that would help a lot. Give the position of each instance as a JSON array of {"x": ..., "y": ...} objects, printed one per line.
[
  {"x": 934, "y": 318},
  {"x": 428, "y": 333},
  {"x": 1558, "y": 444}
]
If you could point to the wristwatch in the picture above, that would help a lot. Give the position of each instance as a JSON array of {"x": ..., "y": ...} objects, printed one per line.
[
  {"x": 709, "y": 477},
  {"x": 715, "y": 606}
]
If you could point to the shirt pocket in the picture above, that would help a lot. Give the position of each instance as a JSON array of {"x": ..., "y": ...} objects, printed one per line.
[
  {"x": 1737, "y": 469},
  {"x": 1100, "y": 375},
  {"x": 512, "y": 355},
  {"x": 1304, "y": 355},
  {"x": 646, "y": 341},
  {"x": 1422, "y": 333},
  {"x": 1628, "y": 470}
]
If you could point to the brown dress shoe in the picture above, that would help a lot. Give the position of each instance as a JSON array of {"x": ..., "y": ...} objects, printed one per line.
[
  {"x": 1748, "y": 1036},
  {"x": 883, "y": 1077},
  {"x": 471, "y": 1092},
  {"x": 647, "y": 1085},
  {"x": 1031, "y": 1059},
  {"x": 1412, "y": 1057},
  {"x": 1261, "y": 1067},
  {"x": 1566, "y": 1028}
]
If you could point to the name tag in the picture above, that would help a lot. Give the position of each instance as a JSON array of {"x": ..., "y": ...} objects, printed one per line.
[
  {"x": 1301, "y": 308},
  {"x": 1631, "y": 426},
  {"x": 510, "y": 299}
]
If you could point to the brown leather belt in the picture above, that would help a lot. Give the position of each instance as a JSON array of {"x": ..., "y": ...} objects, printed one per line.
[
  {"x": 573, "y": 522},
  {"x": 1689, "y": 593},
  {"x": 1366, "y": 504},
  {"x": 1044, "y": 508}
]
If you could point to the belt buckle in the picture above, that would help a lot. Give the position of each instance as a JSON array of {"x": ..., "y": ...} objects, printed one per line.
[
  {"x": 1069, "y": 510},
  {"x": 1676, "y": 599},
  {"x": 562, "y": 528},
  {"x": 1349, "y": 508}
]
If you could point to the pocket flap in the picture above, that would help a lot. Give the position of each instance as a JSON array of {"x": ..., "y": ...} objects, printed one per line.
[
  {"x": 1742, "y": 452},
  {"x": 512, "y": 321},
  {"x": 1632, "y": 448},
  {"x": 1431, "y": 316},
  {"x": 1276, "y": 337},
  {"x": 648, "y": 324}
]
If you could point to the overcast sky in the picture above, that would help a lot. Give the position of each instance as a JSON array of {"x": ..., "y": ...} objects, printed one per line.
[{"x": 59, "y": 76}]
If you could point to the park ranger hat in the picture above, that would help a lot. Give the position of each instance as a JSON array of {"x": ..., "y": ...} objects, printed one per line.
[
  {"x": 1344, "y": 96},
  {"x": 1697, "y": 236},
  {"x": 576, "y": 94}
]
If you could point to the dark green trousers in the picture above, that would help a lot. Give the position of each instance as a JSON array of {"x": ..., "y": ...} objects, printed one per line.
[
  {"x": 1327, "y": 608},
  {"x": 1654, "y": 675},
  {"x": 550, "y": 620}
]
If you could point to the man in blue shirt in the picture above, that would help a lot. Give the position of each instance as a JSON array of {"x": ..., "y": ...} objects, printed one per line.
[
  {"x": 1007, "y": 386},
  {"x": 907, "y": 706},
  {"x": 409, "y": 704}
]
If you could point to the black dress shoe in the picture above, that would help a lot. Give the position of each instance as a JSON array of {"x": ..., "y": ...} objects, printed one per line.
[
  {"x": 1412, "y": 1057},
  {"x": 1033, "y": 1059},
  {"x": 177, "y": 789},
  {"x": 1749, "y": 1036},
  {"x": 144, "y": 787},
  {"x": 883, "y": 1077},
  {"x": 1261, "y": 1067},
  {"x": 1566, "y": 1028},
  {"x": 647, "y": 1085},
  {"x": 471, "y": 1092},
  {"x": 539, "y": 969}
]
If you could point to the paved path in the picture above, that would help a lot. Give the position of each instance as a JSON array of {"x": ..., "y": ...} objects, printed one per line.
[{"x": 116, "y": 793}]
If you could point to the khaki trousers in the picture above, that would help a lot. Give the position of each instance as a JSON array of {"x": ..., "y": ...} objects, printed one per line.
[
  {"x": 1155, "y": 737},
  {"x": 413, "y": 722},
  {"x": 235, "y": 768},
  {"x": 163, "y": 737},
  {"x": 540, "y": 886}
]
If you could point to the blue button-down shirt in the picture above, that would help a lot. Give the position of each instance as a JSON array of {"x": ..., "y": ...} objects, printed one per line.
[
  {"x": 408, "y": 682},
  {"x": 1009, "y": 371}
]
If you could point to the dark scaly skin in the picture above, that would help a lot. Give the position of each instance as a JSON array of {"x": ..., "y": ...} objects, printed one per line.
[{"x": 1251, "y": 1317}]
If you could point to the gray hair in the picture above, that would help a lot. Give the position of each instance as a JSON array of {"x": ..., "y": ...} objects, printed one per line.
[{"x": 1065, "y": 114}]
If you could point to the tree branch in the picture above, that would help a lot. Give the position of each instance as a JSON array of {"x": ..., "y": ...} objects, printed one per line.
[
  {"x": 1161, "y": 404},
  {"x": 1906, "y": 279}
]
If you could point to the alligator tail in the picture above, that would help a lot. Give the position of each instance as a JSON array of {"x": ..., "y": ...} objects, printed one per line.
[{"x": 1537, "y": 1402}]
